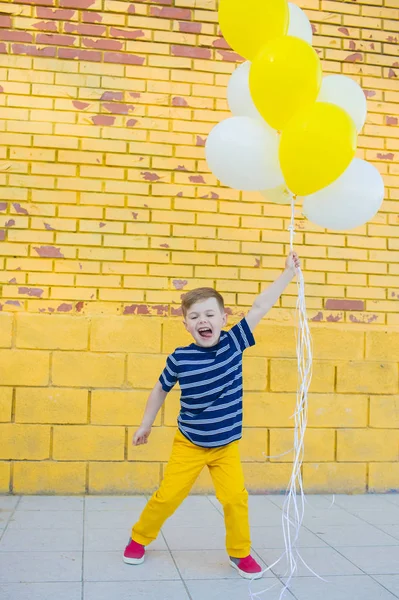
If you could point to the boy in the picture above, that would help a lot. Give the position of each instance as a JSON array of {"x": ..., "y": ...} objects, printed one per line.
[{"x": 209, "y": 372}]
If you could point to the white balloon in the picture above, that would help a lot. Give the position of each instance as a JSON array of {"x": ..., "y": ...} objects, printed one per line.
[
  {"x": 299, "y": 26},
  {"x": 238, "y": 95},
  {"x": 278, "y": 195},
  {"x": 243, "y": 154},
  {"x": 346, "y": 93},
  {"x": 350, "y": 201}
]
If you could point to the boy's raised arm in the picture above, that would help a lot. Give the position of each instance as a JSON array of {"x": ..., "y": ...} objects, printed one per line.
[{"x": 267, "y": 299}]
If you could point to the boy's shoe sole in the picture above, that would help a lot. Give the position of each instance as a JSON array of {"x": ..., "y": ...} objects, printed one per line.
[
  {"x": 246, "y": 575},
  {"x": 133, "y": 561}
]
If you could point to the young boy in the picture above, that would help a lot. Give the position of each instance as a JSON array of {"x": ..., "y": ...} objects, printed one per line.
[{"x": 209, "y": 372}]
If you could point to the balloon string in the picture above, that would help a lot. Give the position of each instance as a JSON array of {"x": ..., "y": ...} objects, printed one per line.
[
  {"x": 293, "y": 508},
  {"x": 291, "y": 227}
]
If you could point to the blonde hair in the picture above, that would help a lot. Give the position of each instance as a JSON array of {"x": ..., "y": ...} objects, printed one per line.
[{"x": 198, "y": 295}]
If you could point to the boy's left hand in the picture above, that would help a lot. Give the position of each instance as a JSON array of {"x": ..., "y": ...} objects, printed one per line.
[{"x": 293, "y": 263}]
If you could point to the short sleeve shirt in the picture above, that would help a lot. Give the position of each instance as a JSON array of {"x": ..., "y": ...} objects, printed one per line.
[{"x": 210, "y": 380}]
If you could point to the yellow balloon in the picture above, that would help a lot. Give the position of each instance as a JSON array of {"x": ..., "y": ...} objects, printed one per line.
[
  {"x": 285, "y": 77},
  {"x": 316, "y": 147},
  {"x": 247, "y": 24}
]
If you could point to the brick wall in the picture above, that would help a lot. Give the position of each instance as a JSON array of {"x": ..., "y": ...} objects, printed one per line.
[{"x": 108, "y": 214}]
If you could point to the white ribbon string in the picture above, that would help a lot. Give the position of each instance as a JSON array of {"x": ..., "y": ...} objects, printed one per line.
[{"x": 293, "y": 511}]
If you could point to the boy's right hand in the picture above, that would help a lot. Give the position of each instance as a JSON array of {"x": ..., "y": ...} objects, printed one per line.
[{"x": 141, "y": 435}]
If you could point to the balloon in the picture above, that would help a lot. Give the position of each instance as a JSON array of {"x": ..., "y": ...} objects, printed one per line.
[
  {"x": 243, "y": 154},
  {"x": 299, "y": 24},
  {"x": 238, "y": 95},
  {"x": 278, "y": 195},
  {"x": 350, "y": 201},
  {"x": 285, "y": 77},
  {"x": 316, "y": 147},
  {"x": 346, "y": 93},
  {"x": 246, "y": 26}
]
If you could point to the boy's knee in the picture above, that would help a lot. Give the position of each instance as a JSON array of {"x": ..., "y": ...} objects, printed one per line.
[
  {"x": 233, "y": 497},
  {"x": 169, "y": 499}
]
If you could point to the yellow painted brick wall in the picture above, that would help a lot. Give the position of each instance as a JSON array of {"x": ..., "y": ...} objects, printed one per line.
[
  {"x": 108, "y": 214},
  {"x": 74, "y": 389}
]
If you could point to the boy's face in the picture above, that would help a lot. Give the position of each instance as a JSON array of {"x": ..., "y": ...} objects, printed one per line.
[{"x": 205, "y": 320}]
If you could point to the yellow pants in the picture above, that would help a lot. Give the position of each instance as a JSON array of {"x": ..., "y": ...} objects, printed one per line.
[{"x": 185, "y": 465}]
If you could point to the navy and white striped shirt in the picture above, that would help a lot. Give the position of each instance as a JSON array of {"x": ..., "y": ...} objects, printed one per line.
[{"x": 210, "y": 380}]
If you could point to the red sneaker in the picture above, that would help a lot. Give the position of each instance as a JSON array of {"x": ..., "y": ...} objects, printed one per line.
[
  {"x": 134, "y": 553},
  {"x": 247, "y": 567}
]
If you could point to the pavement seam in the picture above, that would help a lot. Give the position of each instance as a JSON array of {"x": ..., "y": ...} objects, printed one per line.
[
  {"x": 177, "y": 568},
  {"x": 11, "y": 516}
]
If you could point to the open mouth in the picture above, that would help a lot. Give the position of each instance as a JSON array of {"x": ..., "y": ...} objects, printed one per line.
[{"x": 205, "y": 332}]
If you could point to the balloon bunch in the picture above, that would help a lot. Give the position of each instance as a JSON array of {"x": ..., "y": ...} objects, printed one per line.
[{"x": 293, "y": 133}]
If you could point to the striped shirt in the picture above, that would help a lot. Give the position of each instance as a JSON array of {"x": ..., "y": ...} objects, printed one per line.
[{"x": 210, "y": 380}]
